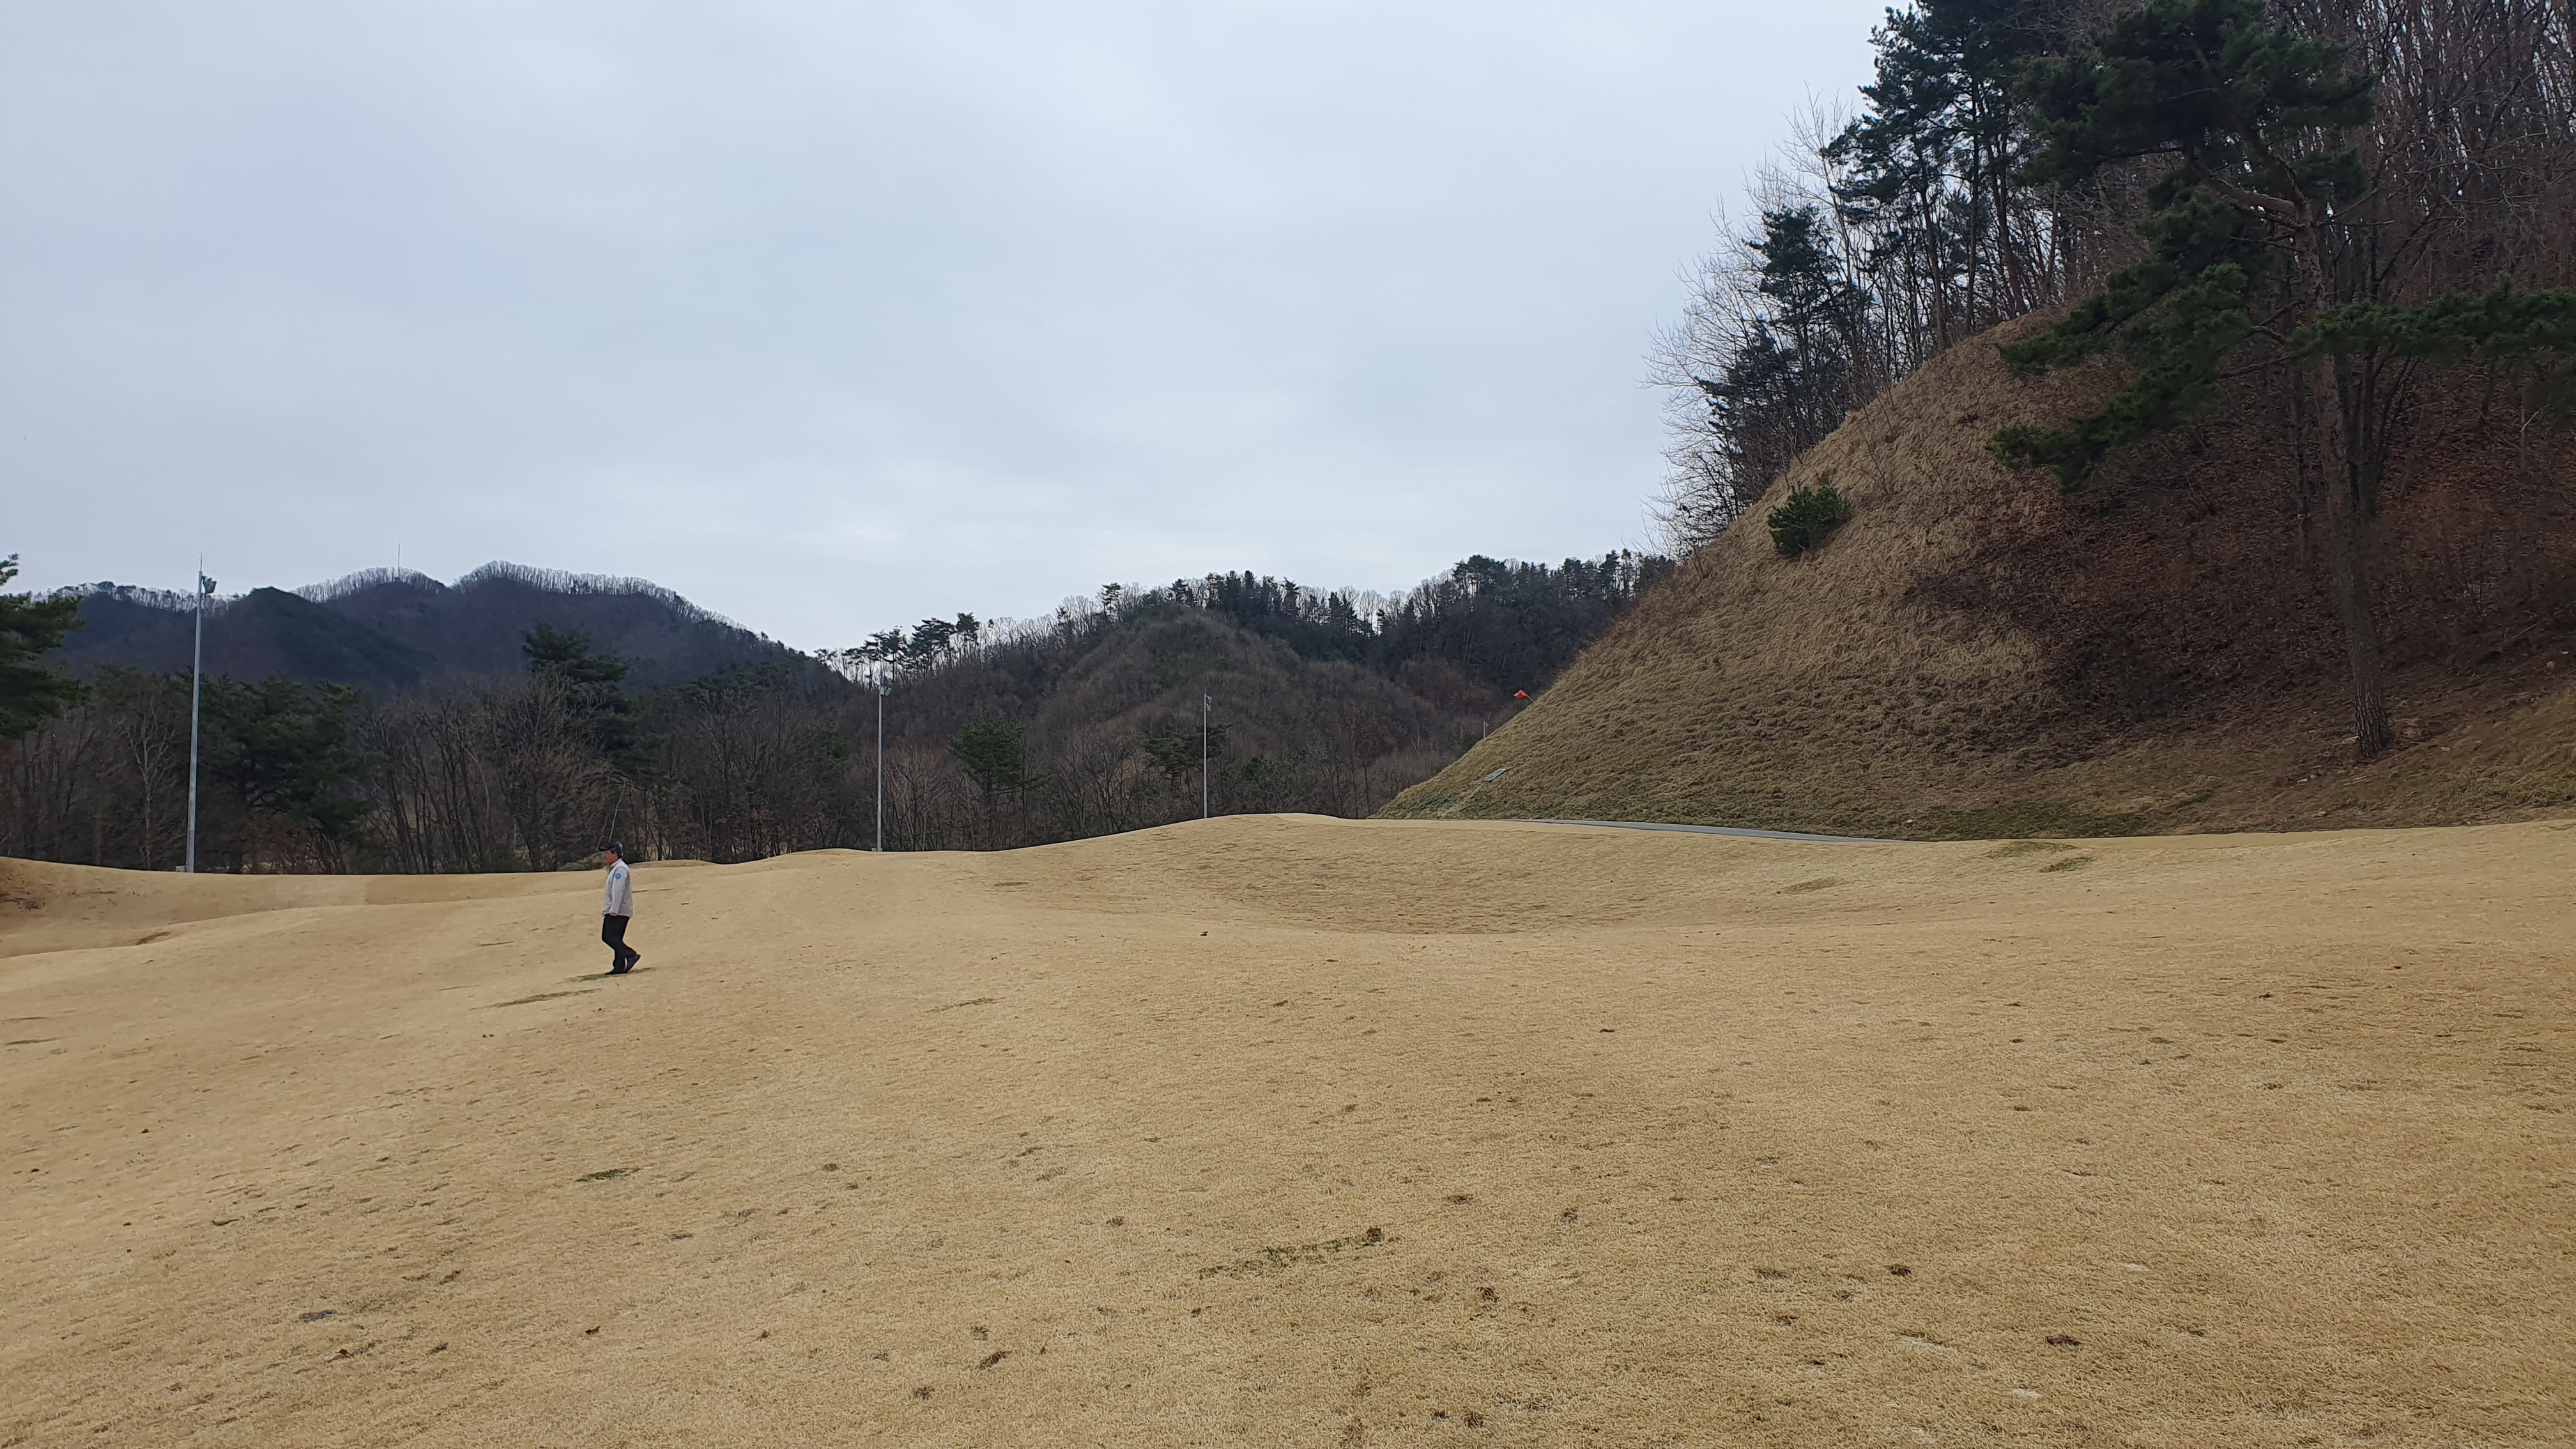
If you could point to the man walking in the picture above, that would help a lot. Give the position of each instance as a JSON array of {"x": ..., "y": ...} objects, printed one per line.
[{"x": 616, "y": 910}]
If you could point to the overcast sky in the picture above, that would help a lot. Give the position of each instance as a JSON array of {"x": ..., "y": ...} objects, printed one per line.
[{"x": 834, "y": 316}]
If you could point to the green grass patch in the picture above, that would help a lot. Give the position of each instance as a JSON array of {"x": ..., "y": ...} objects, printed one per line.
[{"x": 2072, "y": 862}]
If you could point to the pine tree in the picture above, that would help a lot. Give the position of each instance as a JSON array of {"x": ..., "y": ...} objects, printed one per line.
[
  {"x": 595, "y": 686},
  {"x": 1790, "y": 379},
  {"x": 995, "y": 755},
  {"x": 30, "y": 629},
  {"x": 288, "y": 750},
  {"x": 1930, "y": 164},
  {"x": 2263, "y": 236}
]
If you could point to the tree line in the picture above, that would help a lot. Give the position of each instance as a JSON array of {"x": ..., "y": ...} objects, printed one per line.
[
  {"x": 1002, "y": 734},
  {"x": 1501, "y": 622},
  {"x": 1874, "y": 241},
  {"x": 2313, "y": 210}
]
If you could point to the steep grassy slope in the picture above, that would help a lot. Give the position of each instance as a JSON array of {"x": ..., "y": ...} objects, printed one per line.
[{"x": 1975, "y": 654}]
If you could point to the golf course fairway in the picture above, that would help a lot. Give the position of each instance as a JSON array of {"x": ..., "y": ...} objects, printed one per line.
[{"x": 1295, "y": 1131}]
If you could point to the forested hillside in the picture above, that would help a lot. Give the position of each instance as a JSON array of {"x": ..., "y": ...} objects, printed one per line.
[
  {"x": 389, "y": 630},
  {"x": 2146, "y": 417},
  {"x": 1083, "y": 723}
]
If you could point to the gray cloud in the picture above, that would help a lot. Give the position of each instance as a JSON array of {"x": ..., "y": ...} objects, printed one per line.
[{"x": 831, "y": 317}]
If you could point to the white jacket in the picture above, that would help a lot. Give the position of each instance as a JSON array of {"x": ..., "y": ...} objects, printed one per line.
[{"x": 621, "y": 895}]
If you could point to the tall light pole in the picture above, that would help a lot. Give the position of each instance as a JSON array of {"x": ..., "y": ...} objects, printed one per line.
[
  {"x": 879, "y": 674},
  {"x": 196, "y": 687},
  {"x": 1207, "y": 706}
]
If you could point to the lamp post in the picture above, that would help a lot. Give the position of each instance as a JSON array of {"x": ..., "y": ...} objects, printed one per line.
[
  {"x": 878, "y": 674},
  {"x": 196, "y": 687}
]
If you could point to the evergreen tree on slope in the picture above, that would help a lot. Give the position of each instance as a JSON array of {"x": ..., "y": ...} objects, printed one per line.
[{"x": 2266, "y": 236}]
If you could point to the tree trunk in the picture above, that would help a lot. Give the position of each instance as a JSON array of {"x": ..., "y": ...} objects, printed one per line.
[{"x": 2348, "y": 543}]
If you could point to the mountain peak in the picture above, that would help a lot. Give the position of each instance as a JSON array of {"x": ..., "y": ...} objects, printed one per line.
[{"x": 395, "y": 628}]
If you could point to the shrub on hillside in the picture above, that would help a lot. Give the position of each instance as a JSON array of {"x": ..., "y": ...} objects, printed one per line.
[{"x": 1811, "y": 512}]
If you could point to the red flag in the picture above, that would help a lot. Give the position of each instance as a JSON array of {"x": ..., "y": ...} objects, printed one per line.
[{"x": 1520, "y": 694}]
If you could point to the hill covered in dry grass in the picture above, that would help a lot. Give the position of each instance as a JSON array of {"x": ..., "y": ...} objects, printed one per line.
[{"x": 1976, "y": 654}]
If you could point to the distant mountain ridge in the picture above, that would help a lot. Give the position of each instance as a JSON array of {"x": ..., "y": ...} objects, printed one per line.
[
  {"x": 559, "y": 581},
  {"x": 396, "y": 630}
]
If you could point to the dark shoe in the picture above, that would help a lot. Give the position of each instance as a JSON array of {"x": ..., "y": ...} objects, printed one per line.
[{"x": 621, "y": 968}]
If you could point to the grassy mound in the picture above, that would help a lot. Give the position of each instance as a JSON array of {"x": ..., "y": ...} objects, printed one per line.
[{"x": 1974, "y": 654}]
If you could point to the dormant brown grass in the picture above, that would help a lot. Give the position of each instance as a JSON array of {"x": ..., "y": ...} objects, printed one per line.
[
  {"x": 1293, "y": 1131},
  {"x": 1974, "y": 654}
]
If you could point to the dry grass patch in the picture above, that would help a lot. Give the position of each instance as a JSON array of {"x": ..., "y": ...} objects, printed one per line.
[
  {"x": 1298, "y": 1125},
  {"x": 1975, "y": 656}
]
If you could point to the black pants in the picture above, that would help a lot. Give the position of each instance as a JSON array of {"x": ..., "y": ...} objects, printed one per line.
[{"x": 612, "y": 931}]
